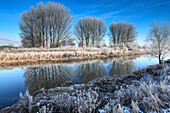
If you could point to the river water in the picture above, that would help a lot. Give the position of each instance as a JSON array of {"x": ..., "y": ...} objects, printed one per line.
[{"x": 18, "y": 79}]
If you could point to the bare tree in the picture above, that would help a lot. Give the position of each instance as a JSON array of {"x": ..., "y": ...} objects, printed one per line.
[
  {"x": 113, "y": 33},
  {"x": 122, "y": 32},
  {"x": 79, "y": 31},
  {"x": 90, "y": 31},
  {"x": 101, "y": 31},
  {"x": 47, "y": 25},
  {"x": 158, "y": 40}
]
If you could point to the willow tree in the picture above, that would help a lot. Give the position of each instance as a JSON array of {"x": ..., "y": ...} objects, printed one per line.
[
  {"x": 122, "y": 32},
  {"x": 158, "y": 40},
  {"x": 90, "y": 31},
  {"x": 47, "y": 25}
]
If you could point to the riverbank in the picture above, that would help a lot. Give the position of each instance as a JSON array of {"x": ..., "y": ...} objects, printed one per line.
[
  {"x": 8, "y": 66},
  {"x": 145, "y": 90},
  {"x": 26, "y": 55}
]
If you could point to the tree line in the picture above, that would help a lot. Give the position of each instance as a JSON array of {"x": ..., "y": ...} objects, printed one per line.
[{"x": 49, "y": 25}]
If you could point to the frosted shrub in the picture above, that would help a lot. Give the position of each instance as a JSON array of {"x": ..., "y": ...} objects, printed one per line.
[
  {"x": 63, "y": 101},
  {"x": 86, "y": 101},
  {"x": 45, "y": 109},
  {"x": 112, "y": 107},
  {"x": 135, "y": 108},
  {"x": 83, "y": 101},
  {"x": 144, "y": 95},
  {"x": 151, "y": 96},
  {"x": 25, "y": 101},
  {"x": 78, "y": 101}
]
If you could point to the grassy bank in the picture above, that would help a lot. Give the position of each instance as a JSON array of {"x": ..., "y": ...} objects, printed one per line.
[
  {"x": 145, "y": 90},
  {"x": 7, "y": 66},
  {"x": 22, "y": 55}
]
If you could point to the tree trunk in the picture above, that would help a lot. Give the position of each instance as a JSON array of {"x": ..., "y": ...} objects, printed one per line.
[
  {"x": 33, "y": 43},
  {"x": 160, "y": 60},
  {"x": 87, "y": 44},
  {"x": 93, "y": 42},
  {"x": 82, "y": 44},
  {"x": 57, "y": 42}
]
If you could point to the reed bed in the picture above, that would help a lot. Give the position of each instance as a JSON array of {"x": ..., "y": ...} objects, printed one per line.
[
  {"x": 75, "y": 61},
  {"x": 62, "y": 54}
]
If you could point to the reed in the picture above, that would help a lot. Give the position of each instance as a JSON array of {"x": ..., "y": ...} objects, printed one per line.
[{"x": 62, "y": 54}]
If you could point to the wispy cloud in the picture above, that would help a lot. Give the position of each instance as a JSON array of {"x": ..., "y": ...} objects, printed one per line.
[
  {"x": 92, "y": 11},
  {"x": 9, "y": 41},
  {"x": 150, "y": 5},
  {"x": 79, "y": 15},
  {"x": 111, "y": 14},
  {"x": 7, "y": 37},
  {"x": 100, "y": 6},
  {"x": 10, "y": 15},
  {"x": 4, "y": 41}
]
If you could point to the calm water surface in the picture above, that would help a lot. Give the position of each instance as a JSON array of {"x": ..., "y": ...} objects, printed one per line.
[{"x": 16, "y": 80}]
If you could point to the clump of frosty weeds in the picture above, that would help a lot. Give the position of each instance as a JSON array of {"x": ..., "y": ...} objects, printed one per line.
[{"x": 148, "y": 96}]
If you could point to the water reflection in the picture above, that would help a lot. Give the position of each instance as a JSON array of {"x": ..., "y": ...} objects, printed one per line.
[
  {"x": 89, "y": 71},
  {"x": 55, "y": 75},
  {"x": 121, "y": 66},
  {"x": 46, "y": 77}
]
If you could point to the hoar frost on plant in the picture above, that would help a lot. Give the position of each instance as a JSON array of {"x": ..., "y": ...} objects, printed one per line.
[
  {"x": 78, "y": 101},
  {"x": 34, "y": 54},
  {"x": 81, "y": 101},
  {"x": 149, "y": 97}
]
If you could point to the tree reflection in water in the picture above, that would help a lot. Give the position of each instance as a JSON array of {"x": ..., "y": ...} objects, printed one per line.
[
  {"x": 55, "y": 75},
  {"x": 121, "y": 66},
  {"x": 89, "y": 71},
  {"x": 46, "y": 77}
]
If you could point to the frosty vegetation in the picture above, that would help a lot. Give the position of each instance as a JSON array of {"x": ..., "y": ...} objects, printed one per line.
[
  {"x": 67, "y": 53},
  {"x": 145, "y": 90}
]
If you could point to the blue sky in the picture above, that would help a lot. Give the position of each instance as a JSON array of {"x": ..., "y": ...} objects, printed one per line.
[{"x": 139, "y": 12}]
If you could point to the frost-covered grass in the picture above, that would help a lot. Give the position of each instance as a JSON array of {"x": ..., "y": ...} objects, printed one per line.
[
  {"x": 82, "y": 101},
  {"x": 147, "y": 97},
  {"x": 144, "y": 96},
  {"x": 124, "y": 59},
  {"x": 63, "y": 53}
]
